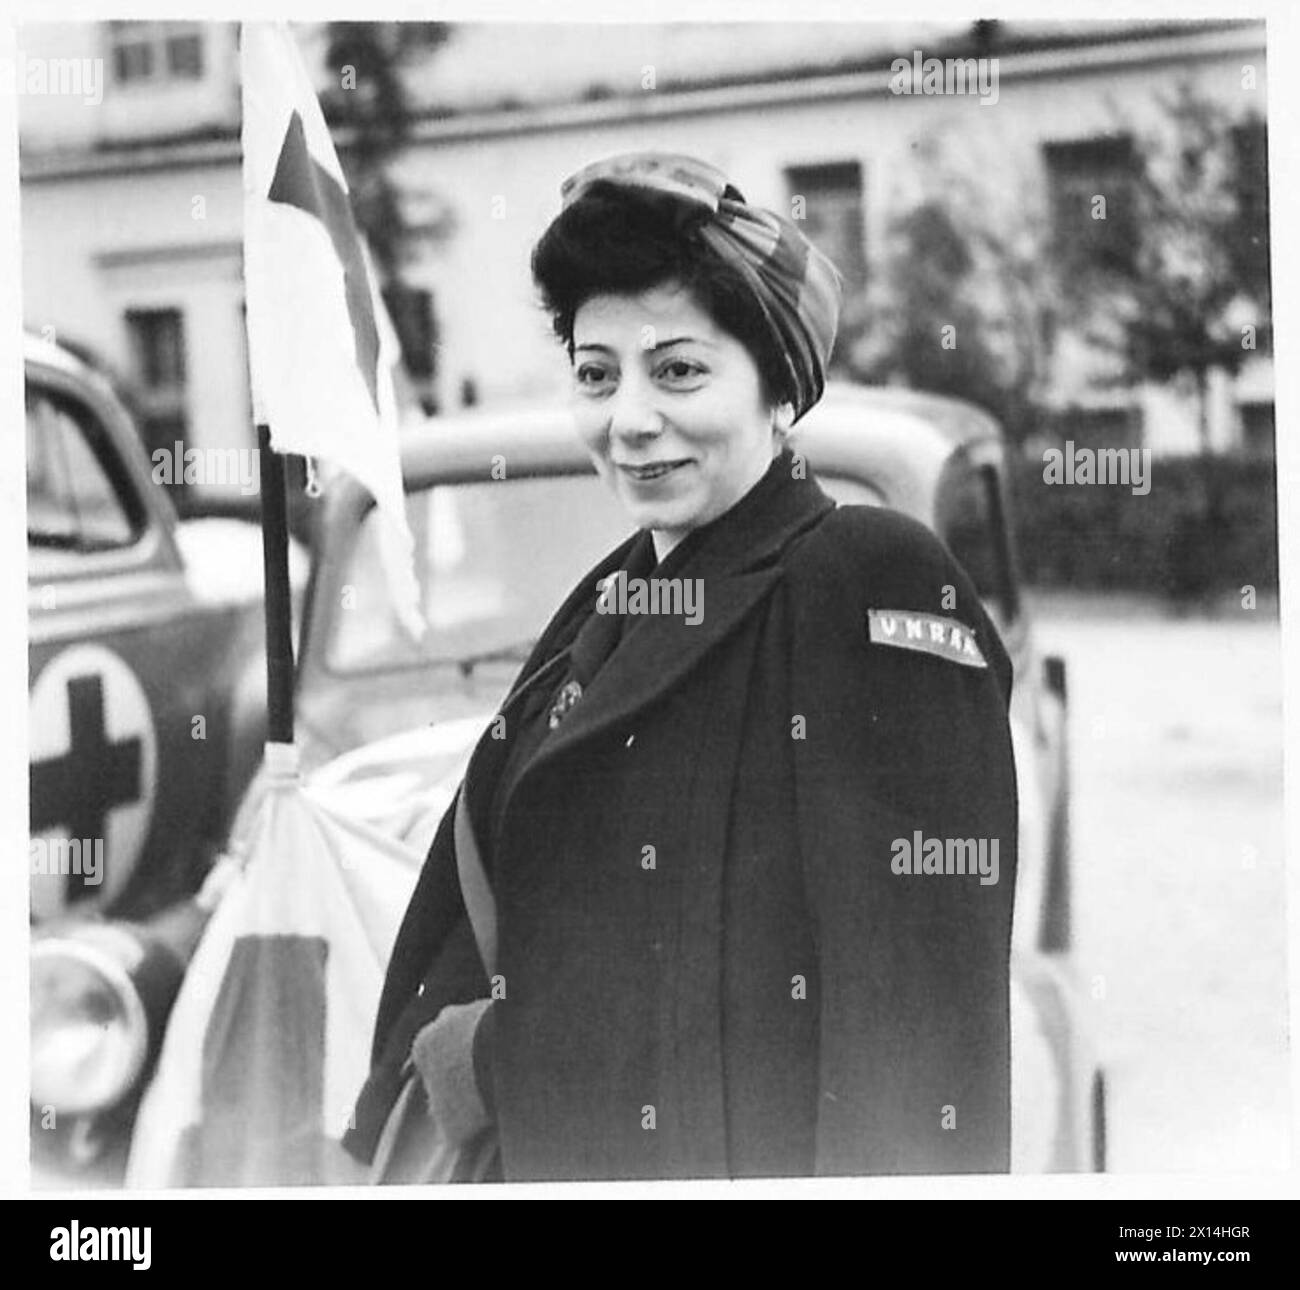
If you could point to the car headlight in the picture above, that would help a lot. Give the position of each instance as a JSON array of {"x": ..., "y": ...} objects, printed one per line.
[{"x": 90, "y": 1032}]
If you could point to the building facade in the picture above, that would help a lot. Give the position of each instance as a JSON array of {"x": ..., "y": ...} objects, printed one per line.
[{"x": 131, "y": 206}]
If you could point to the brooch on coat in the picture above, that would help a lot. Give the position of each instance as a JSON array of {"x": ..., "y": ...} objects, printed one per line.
[{"x": 570, "y": 693}]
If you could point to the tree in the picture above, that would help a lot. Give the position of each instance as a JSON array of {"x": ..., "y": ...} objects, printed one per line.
[
  {"x": 960, "y": 305},
  {"x": 1189, "y": 291},
  {"x": 372, "y": 107},
  {"x": 370, "y": 104}
]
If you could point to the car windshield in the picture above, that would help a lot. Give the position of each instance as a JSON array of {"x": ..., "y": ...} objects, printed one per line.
[{"x": 493, "y": 560}]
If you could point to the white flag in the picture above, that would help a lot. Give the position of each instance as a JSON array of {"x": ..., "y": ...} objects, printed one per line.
[
  {"x": 319, "y": 367},
  {"x": 268, "y": 1041}
]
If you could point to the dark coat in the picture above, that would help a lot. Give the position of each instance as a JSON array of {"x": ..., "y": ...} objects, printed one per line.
[{"x": 771, "y": 995}]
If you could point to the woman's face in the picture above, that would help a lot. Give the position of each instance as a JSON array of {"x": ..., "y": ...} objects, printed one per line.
[{"x": 670, "y": 407}]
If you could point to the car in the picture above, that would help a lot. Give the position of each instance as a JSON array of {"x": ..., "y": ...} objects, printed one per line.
[
  {"x": 146, "y": 680},
  {"x": 385, "y": 723}
]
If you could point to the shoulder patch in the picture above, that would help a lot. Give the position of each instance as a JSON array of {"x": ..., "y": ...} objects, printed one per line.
[{"x": 928, "y": 633}]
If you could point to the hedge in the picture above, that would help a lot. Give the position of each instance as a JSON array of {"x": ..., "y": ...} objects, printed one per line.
[{"x": 1208, "y": 524}]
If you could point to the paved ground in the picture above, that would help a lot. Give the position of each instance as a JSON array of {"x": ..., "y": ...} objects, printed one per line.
[{"x": 1180, "y": 896}]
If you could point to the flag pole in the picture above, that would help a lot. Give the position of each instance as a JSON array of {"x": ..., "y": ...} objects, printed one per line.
[{"x": 275, "y": 574}]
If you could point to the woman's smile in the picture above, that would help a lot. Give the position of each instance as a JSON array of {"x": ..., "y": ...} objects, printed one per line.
[
  {"x": 651, "y": 473},
  {"x": 670, "y": 407}
]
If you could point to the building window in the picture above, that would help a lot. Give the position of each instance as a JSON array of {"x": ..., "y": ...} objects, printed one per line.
[
  {"x": 145, "y": 52},
  {"x": 159, "y": 339},
  {"x": 158, "y": 355},
  {"x": 1249, "y": 248},
  {"x": 185, "y": 56},
  {"x": 1082, "y": 175},
  {"x": 1250, "y": 166},
  {"x": 132, "y": 59},
  {"x": 831, "y": 214},
  {"x": 1258, "y": 431},
  {"x": 411, "y": 311}
]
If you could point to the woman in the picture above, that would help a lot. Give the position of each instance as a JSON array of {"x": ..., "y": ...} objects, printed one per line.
[{"x": 706, "y": 958}]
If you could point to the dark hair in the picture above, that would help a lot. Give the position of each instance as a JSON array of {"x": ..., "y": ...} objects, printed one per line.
[{"x": 616, "y": 240}]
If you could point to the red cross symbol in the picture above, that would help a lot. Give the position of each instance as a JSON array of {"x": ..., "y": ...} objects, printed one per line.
[{"x": 301, "y": 181}]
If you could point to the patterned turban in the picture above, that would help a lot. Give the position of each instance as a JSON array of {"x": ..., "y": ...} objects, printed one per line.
[{"x": 796, "y": 287}]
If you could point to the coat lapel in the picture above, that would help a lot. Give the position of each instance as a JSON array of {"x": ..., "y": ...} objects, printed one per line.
[
  {"x": 656, "y": 654},
  {"x": 735, "y": 559},
  {"x": 566, "y": 620},
  {"x": 489, "y": 754}
]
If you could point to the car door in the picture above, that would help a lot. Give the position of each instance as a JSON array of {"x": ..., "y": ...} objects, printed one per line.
[
  {"x": 126, "y": 719},
  {"x": 972, "y": 518}
]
